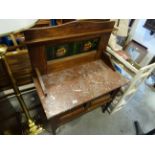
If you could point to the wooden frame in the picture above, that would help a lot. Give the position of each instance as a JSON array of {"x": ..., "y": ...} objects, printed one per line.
[
  {"x": 138, "y": 51},
  {"x": 67, "y": 102}
]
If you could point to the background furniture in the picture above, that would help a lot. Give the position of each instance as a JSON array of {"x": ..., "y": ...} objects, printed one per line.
[
  {"x": 10, "y": 27},
  {"x": 138, "y": 76},
  {"x": 136, "y": 51},
  {"x": 51, "y": 22},
  {"x": 150, "y": 25},
  {"x": 72, "y": 74},
  {"x": 20, "y": 65},
  {"x": 139, "y": 131}
]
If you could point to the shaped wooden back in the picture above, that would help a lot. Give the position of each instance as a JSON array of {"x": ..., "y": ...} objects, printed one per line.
[{"x": 48, "y": 46}]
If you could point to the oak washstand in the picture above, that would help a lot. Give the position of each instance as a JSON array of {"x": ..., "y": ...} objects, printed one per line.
[{"x": 72, "y": 74}]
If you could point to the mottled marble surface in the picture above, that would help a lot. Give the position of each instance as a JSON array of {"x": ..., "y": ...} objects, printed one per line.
[{"x": 77, "y": 85}]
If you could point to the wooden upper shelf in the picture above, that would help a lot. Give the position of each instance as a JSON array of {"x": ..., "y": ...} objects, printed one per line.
[{"x": 74, "y": 86}]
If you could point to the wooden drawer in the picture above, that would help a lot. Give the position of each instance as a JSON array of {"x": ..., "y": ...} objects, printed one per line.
[
  {"x": 83, "y": 109},
  {"x": 71, "y": 114},
  {"x": 100, "y": 101}
]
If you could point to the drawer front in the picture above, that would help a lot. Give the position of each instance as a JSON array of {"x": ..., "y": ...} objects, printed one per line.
[
  {"x": 71, "y": 114},
  {"x": 74, "y": 113},
  {"x": 100, "y": 101},
  {"x": 94, "y": 106}
]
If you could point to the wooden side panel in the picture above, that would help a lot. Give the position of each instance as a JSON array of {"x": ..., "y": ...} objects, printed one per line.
[
  {"x": 103, "y": 44},
  {"x": 38, "y": 58}
]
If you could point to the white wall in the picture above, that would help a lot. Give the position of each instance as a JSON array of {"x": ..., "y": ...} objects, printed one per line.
[{"x": 142, "y": 35}]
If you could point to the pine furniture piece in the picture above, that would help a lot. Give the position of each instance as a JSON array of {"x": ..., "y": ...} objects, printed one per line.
[{"x": 72, "y": 74}]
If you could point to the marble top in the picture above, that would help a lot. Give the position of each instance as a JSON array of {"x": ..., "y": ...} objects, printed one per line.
[{"x": 74, "y": 86}]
